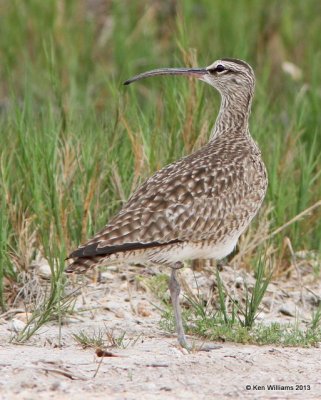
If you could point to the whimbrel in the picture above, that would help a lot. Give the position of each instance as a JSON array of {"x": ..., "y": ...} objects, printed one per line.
[{"x": 198, "y": 206}]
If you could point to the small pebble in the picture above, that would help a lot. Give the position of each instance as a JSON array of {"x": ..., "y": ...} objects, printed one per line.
[
  {"x": 42, "y": 267},
  {"x": 44, "y": 271},
  {"x": 288, "y": 309},
  {"x": 23, "y": 316},
  {"x": 15, "y": 325},
  {"x": 143, "y": 309}
]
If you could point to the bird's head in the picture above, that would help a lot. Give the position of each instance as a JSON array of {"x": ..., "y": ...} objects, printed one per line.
[{"x": 226, "y": 75}]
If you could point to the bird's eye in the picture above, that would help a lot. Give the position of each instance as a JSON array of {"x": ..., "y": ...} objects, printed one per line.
[{"x": 220, "y": 68}]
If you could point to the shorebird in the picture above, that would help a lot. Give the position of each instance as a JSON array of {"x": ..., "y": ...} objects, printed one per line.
[{"x": 198, "y": 206}]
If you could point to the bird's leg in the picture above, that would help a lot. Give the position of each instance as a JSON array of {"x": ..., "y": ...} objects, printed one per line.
[{"x": 175, "y": 289}]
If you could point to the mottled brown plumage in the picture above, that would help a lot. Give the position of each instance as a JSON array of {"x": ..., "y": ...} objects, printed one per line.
[{"x": 198, "y": 206}]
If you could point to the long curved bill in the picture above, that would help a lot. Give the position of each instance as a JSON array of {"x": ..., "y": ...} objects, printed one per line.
[{"x": 196, "y": 72}]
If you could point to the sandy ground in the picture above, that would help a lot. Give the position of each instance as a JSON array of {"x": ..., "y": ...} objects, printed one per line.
[{"x": 152, "y": 366}]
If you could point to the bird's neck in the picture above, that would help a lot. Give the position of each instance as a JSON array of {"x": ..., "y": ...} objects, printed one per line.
[{"x": 233, "y": 116}]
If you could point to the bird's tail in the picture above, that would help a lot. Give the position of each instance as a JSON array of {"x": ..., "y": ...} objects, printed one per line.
[{"x": 82, "y": 264}]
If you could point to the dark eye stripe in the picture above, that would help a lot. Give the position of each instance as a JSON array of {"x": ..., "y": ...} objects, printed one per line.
[{"x": 219, "y": 68}]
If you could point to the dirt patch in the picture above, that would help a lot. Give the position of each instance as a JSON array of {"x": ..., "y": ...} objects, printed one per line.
[{"x": 151, "y": 365}]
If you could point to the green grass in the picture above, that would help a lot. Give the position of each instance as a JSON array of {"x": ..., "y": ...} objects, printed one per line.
[
  {"x": 85, "y": 339},
  {"x": 232, "y": 321},
  {"x": 74, "y": 142},
  {"x": 275, "y": 333},
  {"x": 56, "y": 306},
  {"x": 104, "y": 338}
]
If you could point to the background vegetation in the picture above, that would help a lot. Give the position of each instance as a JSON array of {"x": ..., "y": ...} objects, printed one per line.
[{"x": 74, "y": 142}]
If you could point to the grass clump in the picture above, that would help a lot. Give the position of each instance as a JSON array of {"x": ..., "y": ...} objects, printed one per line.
[
  {"x": 316, "y": 319},
  {"x": 87, "y": 340},
  {"x": 253, "y": 300},
  {"x": 56, "y": 306},
  {"x": 247, "y": 313},
  {"x": 214, "y": 328},
  {"x": 105, "y": 338},
  {"x": 235, "y": 321}
]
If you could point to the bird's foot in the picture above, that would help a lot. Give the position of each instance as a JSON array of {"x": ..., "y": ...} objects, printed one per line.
[
  {"x": 195, "y": 347},
  {"x": 183, "y": 342},
  {"x": 209, "y": 347}
]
